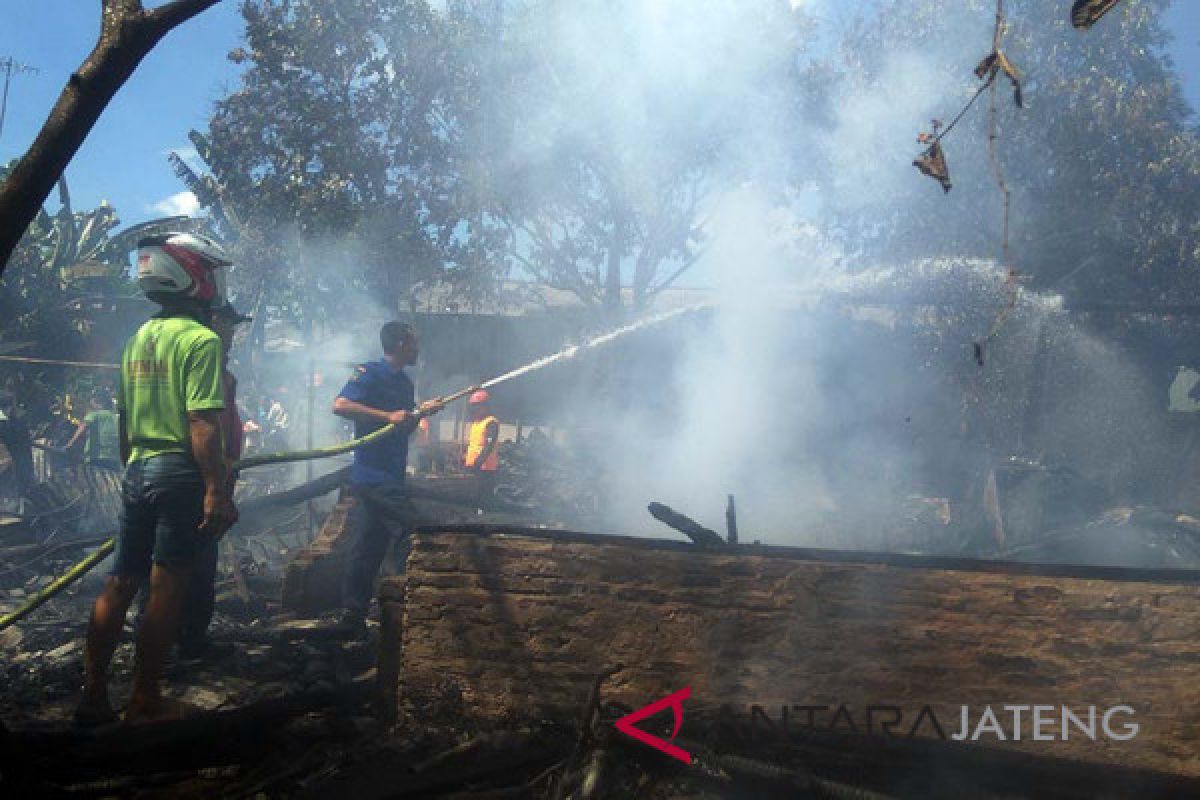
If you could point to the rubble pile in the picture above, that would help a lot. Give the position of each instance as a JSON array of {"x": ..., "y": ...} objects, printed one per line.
[
  {"x": 290, "y": 711},
  {"x": 537, "y": 474},
  {"x": 297, "y": 708},
  {"x": 279, "y": 699},
  {"x": 263, "y": 705},
  {"x": 292, "y": 705}
]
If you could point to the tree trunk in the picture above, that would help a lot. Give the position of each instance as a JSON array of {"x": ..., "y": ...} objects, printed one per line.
[
  {"x": 127, "y": 34},
  {"x": 643, "y": 270}
]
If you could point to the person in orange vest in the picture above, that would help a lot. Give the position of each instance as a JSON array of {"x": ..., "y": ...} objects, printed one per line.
[
  {"x": 424, "y": 442},
  {"x": 481, "y": 457}
]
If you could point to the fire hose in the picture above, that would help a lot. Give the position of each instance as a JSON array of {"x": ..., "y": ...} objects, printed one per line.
[
  {"x": 427, "y": 409},
  {"x": 86, "y": 565}
]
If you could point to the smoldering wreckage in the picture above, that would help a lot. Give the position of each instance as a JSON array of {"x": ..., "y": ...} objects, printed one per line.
[
  {"x": 507, "y": 648},
  {"x": 512, "y": 655}
]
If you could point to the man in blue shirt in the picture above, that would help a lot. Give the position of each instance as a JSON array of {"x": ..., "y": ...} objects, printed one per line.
[{"x": 380, "y": 393}]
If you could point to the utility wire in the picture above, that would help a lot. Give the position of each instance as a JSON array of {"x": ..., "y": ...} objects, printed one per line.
[{"x": 58, "y": 362}]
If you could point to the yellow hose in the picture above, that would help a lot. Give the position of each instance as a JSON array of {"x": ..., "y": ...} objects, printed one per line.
[
  {"x": 83, "y": 567},
  {"x": 79, "y": 570},
  {"x": 63, "y": 581},
  {"x": 309, "y": 455}
]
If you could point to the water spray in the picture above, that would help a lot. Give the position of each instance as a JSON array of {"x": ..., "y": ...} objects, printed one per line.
[{"x": 591, "y": 344}]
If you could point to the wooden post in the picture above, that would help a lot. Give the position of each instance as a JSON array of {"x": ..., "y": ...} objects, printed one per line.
[{"x": 731, "y": 531}]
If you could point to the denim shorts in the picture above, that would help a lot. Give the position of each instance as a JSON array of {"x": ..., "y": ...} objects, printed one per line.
[{"x": 162, "y": 507}]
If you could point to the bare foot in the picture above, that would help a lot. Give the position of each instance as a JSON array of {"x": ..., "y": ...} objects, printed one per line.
[{"x": 159, "y": 710}]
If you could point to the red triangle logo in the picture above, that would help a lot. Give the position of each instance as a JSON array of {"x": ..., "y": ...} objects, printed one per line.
[{"x": 673, "y": 701}]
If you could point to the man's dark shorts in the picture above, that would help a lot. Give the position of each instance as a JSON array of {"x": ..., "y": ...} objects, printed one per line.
[{"x": 163, "y": 505}]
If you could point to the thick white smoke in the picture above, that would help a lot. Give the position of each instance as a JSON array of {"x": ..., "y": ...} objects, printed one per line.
[
  {"x": 827, "y": 426},
  {"x": 826, "y": 419}
]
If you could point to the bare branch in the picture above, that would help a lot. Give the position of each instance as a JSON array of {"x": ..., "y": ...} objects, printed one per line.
[
  {"x": 121, "y": 7},
  {"x": 688, "y": 264},
  {"x": 173, "y": 14},
  {"x": 560, "y": 273},
  {"x": 127, "y": 34}
]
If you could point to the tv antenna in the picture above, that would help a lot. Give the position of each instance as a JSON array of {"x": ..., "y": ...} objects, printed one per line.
[{"x": 10, "y": 67}]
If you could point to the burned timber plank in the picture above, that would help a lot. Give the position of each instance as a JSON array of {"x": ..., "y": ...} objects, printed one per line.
[
  {"x": 517, "y": 623},
  {"x": 699, "y": 534},
  {"x": 312, "y": 581}
]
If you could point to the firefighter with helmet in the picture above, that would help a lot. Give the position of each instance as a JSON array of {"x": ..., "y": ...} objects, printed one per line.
[
  {"x": 175, "y": 493},
  {"x": 481, "y": 456}
]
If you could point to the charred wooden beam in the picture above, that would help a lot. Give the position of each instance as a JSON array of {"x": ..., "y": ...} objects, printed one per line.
[
  {"x": 290, "y": 497},
  {"x": 699, "y": 534},
  {"x": 299, "y": 630},
  {"x": 586, "y": 756}
]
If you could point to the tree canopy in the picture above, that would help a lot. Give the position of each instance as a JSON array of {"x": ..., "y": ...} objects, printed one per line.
[
  {"x": 128, "y": 31},
  {"x": 68, "y": 266},
  {"x": 581, "y": 143},
  {"x": 455, "y": 145},
  {"x": 344, "y": 138},
  {"x": 1102, "y": 161}
]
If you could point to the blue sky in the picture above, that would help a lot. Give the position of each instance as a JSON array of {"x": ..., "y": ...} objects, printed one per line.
[{"x": 124, "y": 158}]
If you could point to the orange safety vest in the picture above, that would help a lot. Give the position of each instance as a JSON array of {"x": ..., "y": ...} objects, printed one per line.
[{"x": 477, "y": 439}]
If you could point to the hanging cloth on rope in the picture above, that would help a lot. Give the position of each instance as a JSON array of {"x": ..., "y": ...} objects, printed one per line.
[
  {"x": 996, "y": 62},
  {"x": 933, "y": 163},
  {"x": 1086, "y": 13}
]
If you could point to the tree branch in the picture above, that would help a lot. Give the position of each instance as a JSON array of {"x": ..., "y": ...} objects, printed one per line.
[
  {"x": 127, "y": 34},
  {"x": 562, "y": 272},
  {"x": 687, "y": 264},
  {"x": 119, "y": 8},
  {"x": 174, "y": 14}
]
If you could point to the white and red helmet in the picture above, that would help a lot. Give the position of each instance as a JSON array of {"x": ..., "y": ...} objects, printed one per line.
[{"x": 175, "y": 266}]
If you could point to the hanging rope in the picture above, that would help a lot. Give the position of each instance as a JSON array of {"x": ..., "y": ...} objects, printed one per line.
[
  {"x": 932, "y": 161},
  {"x": 995, "y": 63},
  {"x": 942, "y": 135}
]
